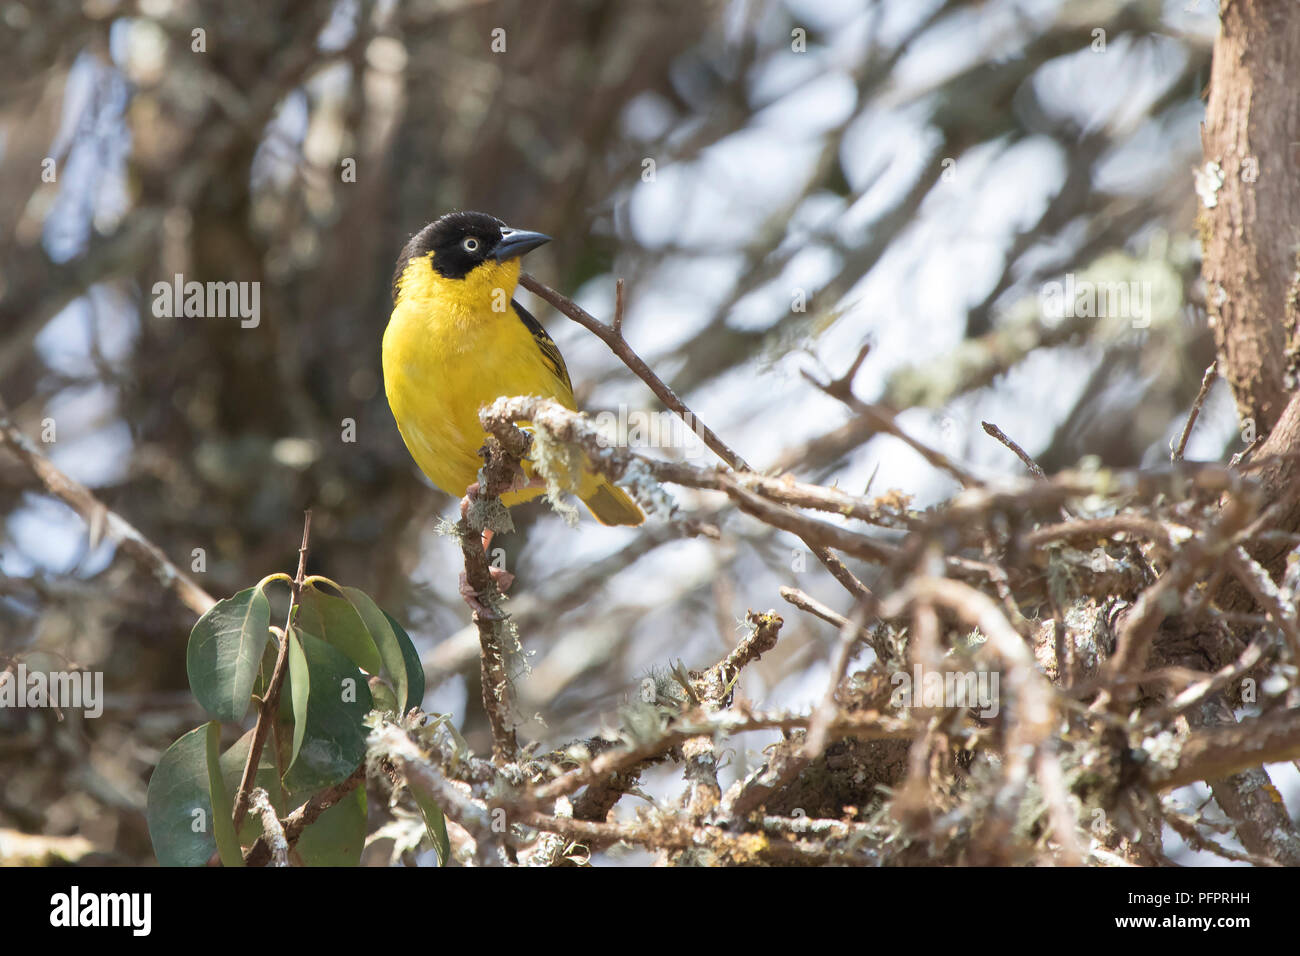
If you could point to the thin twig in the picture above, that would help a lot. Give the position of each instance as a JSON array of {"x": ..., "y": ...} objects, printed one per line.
[
  {"x": 806, "y": 602},
  {"x": 862, "y": 726},
  {"x": 619, "y": 304},
  {"x": 672, "y": 832},
  {"x": 1185, "y": 827},
  {"x": 1246, "y": 452},
  {"x": 1211, "y": 373},
  {"x": 1019, "y": 452},
  {"x": 842, "y": 387},
  {"x": 883, "y": 420},
  {"x": 613, "y": 337},
  {"x": 100, "y": 519},
  {"x": 1255, "y": 579},
  {"x": 824, "y": 715},
  {"x": 761, "y": 638},
  {"x": 266, "y": 714},
  {"x": 1196, "y": 692},
  {"x": 1164, "y": 536},
  {"x": 839, "y": 570},
  {"x": 1036, "y": 709}
]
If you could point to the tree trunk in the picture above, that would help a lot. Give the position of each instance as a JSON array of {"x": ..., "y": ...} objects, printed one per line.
[
  {"x": 1249, "y": 188},
  {"x": 1250, "y": 199}
]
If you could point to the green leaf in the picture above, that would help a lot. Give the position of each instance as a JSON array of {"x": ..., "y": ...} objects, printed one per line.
[
  {"x": 414, "y": 669},
  {"x": 223, "y": 808},
  {"x": 339, "y": 623},
  {"x": 396, "y": 656},
  {"x": 329, "y": 738},
  {"x": 390, "y": 647},
  {"x": 435, "y": 824},
  {"x": 225, "y": 652},
  {"x": 178, "y": 807},
  {"x": 337, "y": 836}
]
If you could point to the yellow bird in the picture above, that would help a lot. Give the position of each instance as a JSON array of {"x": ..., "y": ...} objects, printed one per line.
[{"x": 456, "y": 341}]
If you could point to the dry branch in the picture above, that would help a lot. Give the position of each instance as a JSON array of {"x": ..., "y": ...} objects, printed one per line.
[{"x": 102, "y": 520}]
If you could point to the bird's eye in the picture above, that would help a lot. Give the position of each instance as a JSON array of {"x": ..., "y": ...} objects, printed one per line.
[{"x": 470, "y": 244}]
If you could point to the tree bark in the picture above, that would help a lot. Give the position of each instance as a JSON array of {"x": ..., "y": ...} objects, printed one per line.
[{"x": 1250, "y": 217}]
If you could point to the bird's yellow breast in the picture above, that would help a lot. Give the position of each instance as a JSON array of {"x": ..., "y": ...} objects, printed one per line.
[{"x": 451, "y": 347}]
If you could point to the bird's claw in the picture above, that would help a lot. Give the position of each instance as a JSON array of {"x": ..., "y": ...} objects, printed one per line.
[
  {"x": 470, "y": 492},
  {"x": 502, "y": 577},
  {"x": 471, "y": 596}
]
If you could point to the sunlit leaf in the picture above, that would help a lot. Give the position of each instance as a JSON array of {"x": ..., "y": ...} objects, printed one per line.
[
  {"x": 339, "y": 623},
  {"x": 225, "y": 652}
]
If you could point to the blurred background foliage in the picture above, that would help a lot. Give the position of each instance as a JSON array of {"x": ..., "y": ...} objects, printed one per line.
[{"x": 915, "y": 172}]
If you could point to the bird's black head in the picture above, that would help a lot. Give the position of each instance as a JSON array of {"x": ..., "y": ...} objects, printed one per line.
[{"x": 460, "y": 241}]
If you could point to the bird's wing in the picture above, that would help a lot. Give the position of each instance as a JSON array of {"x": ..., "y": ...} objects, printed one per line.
[{"x": 550, "y": 351}]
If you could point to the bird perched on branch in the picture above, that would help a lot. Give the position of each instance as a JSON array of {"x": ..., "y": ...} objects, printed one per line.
[{"x": 456, "y": 341}]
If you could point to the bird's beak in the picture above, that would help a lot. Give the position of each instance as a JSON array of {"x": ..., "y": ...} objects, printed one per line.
[{"x": 515, "y": 242}]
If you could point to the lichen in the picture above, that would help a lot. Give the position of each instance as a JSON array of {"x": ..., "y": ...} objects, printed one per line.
[{"x": 1209, "y": 180}]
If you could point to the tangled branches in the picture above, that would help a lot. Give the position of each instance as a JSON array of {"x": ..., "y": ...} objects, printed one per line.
[{"x": 1045, "y": 660}]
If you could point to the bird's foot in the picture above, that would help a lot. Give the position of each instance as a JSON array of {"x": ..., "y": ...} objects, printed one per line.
[
  {"x": 502, "y": 577},
  {"x": 470, "y": 492},
  {"x": 471, "y": 596}
]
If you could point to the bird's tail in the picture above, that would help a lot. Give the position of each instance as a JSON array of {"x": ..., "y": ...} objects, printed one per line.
[
  {"x": 607, "y": 502},
  {"x": 610, "y": 504}
]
